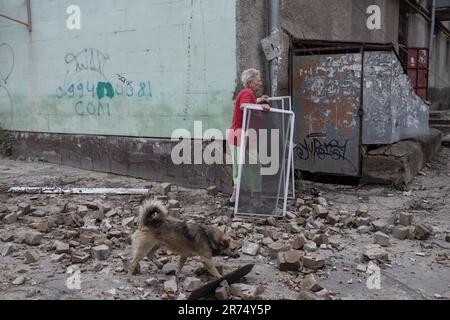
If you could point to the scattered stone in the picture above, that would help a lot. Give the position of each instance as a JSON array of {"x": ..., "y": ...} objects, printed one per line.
[
  {"x": 311, "y": 283},
  {"x": 447, "y": 237},
  {"x": 82, "y": 210},
  {"x": 19, "y": 281},
  {"x": 170, "y": 286},
  {"x": 299, "y": 242},
  {"x": 362, "y": 211},
  {"x": 57, "y": 257},
  {"x": 126, "y": 263},
  {"x": 6, "y": 237},
  {"x": 80, "y": 257},
  {"x": 267, "y": 241},
  {"x": 401, "y": 232},
  {"x": 293, "y": 227},
  {"x": 169, "y": 269},
  {"x": 129, "y": 222},
  {"x": 250, "y": 248},
  {"x": 299, "y": 203},
  {"x": 151, "y": 282},
  {"x": 333, "y": 218},
  {"x": 314, "y": 261},
  {"x": 10, "y": 218},
  {"x": 165, "y": 188},
  {"x": 382, "y": 239},
  {"x": 30, "y": 257},
  {"x": 405, "y": 219},
  {"x": 173, "y": 204},
  {"x": 87, "y": 238},
  {"x": 307, "y": 296},
  {"x": 320, "y": 211},
  {"x": 310, "y": 246},
  {"x": 245, "y": 291},
  {"x": 323, "y": 294},
  {"x": 276, "y": 248},
  {"x": 25, "y": 208},
  {"x": 101, "y": 252},
  {"x": 303, "y": 210},
  {"x": 111, "y": 213},
  {"x": 363, "y": 229},
  {"x": 7, "y": 249},
  {"x": 191, "y": 284},
  {"x": 61, "y": 247},
  {"x": 422, "y": 232},
  {"x": 380, "y": 225},
  {"x": 110, "y": 293},
  {"x": 43, "y": 226},
  {"x": 375, "y": 252},
  {"x": 361, "y": 221},
  {"x": 322, "y": 201},
  {"x": 212, "y": 191},
  {"x": 223, "y": 292},
  {"x": 33, "y": 238},
  {"x": 290, "y": 260}
]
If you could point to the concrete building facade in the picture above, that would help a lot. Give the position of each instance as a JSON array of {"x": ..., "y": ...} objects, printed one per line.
[{"x": 109, "y": 96}]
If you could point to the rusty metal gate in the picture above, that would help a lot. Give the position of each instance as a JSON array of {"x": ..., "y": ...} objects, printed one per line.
[{"x": 326, "y": 90}]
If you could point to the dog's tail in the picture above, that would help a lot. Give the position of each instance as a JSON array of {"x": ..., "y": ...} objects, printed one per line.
[{"x": 152, "y": 214}]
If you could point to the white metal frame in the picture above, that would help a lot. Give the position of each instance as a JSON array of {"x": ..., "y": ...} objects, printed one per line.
[
  {"x": 243, "y": 145},
  {"x": 283, "y": 107}
]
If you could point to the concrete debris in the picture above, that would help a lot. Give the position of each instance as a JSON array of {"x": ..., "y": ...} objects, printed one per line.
[
  {"x": 7, "y": 249},
  {"x": 363, "y": 211},
  {"x": 422, "y": 232},
  {"x": 246, "y": 292},
  {"x": 361, "y": 268},
  {"x": 405, "y": 219},
  {"x": 33, "y": 238},
  {"x": 19, "y": 281},
  {"x": 174, "y": 212},
  {"x": 267, "y": 241},
  {"x": 151, "y": 282},
  {"x": 129, "y": 222},
  {"x": 276, "y": 248},
  {"x": 289, "y": 260},
  {"x": 311, "y": 283},
  {"x": 375, "y": 252},
  {"x": 363, "y": 229},
  {"x": 30, "y": 257},
  {"x": 380, "y": 225},
  {"x": 6, "y": 237},
  {"x": 401, "y": 232},
  {"x": 101, "y": 252},
  {"x": 55, "y": 258},
  {"x": 314, "y": 261},
  {"x": 299, "y": 242},
  {"x": 310, "y": 246},
  {"x": 165, "y": 188},
  {"x": 191, "y": 284},
  {"x": 61, "y": 247},
  {"x": 307, "y": 296},
  {"x": 333, "y": 218},
  {"x": 299, "y": 203},
  {"x": 320, "y": 211},
  {"x": 80, "y": 257},
  {"x": 10, "y": 218},
  {"x": 250, "y": 249},
  {"x": 362, "y": 221},
  {"x": 322, "y": 201},
  {"x": 24, "y": 207},
  {"x": 223, "y": 292},
  {"x": 382, "y": 239},
  {"x": 170, "y": 286}
]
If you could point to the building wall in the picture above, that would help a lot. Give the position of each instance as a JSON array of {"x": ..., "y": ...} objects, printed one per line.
[{"x": 179, "y": 55}]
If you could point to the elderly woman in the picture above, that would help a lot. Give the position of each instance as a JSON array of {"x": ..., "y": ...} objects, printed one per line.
[{"x": 251, "y": 79}]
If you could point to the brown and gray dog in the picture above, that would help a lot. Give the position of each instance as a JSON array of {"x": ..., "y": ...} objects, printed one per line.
[{"x": 157, "y": 229}]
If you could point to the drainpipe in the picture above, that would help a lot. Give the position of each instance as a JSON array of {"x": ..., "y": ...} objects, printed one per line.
[
  {"x": 274, "y": 27},
  {"x": 433, "y": 23}
]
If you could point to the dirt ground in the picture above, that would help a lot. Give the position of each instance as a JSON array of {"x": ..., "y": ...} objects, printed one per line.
[{"x": 415, "y": 269}]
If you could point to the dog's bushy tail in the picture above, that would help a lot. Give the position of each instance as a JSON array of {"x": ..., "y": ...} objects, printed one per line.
[{"x": 152, "y": 213}]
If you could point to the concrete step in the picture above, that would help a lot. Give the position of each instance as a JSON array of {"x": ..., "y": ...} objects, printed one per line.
[{"x": 400, "y": 162}]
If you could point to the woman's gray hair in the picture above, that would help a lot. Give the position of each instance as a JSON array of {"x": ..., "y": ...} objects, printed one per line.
[{"x": 248, "y": 76}]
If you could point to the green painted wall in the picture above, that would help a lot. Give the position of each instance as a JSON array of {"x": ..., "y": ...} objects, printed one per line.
[{"x": 180, "y": 56}]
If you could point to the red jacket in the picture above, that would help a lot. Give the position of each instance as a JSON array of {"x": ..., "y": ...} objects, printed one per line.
[{"x": 245, "y": 96}]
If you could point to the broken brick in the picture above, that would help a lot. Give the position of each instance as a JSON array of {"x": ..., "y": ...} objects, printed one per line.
[
  {"x": 277, "y": 247},
  {"x": 30, "y": 257},
  {"x": 333, "y": 218},
  {"x": 173, "y": 204},
  {"x": 250, "y": 249},
  {"x": 422, "y": 232},
  {"x": 380, "y": 225},
  {"x": 101, "y": 252},
  {"x": 61, "y": 247},
  {"x": 80, "y": 257},
  {"x": 165, "y": 188},
  {"x": 33, "y": 238},
  {"x": 10, "y": 218},
  {"x": 320, "y": 211},
  {"x": 289, "y": 260},
  {"x": 361, "y": 221},
  {"x": 24, "y": 207},
  {"x": 381, "y": 239},
  {"x": 362, "y": 211},
  {"x": 174, "y": 212},
  {"x": 170, "y": 286},
  {"x": 311, "y": 283},
  {"x": 7, "y": 249},
  {"x": 314, "y": 261},
  {"x": 299, "y": 242},
  {"x": 375, "y": 252},
  {"x": 310, "y": 246},
  {"x": 405, "y": 219},
  {"x": 401, "y": 232},
  {"x": 191, "y": 284}
]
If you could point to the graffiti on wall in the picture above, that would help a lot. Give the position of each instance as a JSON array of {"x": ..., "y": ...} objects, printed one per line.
[
  {"x": 88, "y": 85},
  {"x": 314, "y": 147},
  {"x": 6, "y": 68}
]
